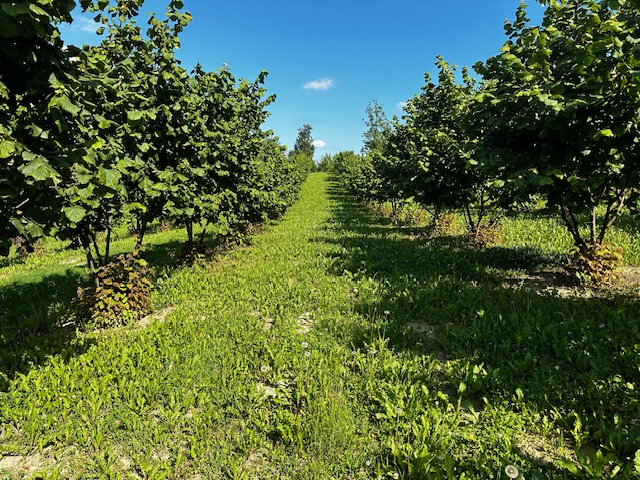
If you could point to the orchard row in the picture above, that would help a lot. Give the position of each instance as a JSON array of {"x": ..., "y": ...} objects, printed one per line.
[
  {"x": 121, "y": 132},
  {"x": 554, "y": 121}
]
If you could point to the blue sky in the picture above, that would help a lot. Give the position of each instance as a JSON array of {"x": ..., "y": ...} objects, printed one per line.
[{"x": 328, "y": 60}]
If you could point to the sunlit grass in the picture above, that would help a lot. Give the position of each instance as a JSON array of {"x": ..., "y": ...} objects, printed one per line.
[{"x": 338, "y": 345}]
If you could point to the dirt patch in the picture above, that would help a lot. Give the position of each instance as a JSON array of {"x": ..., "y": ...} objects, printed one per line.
[
  {"x": 425, "y": 329},
  {"x": 268, "y": 324},
  {"x": 159, "y": 316},
  {"x": 625, "y": 282},
  {"x": 430, "y": 333},
  {"x": 22, "y": 464},
  {"x": 550, "y": 282},
  {"x": 536, "y": 449},
  {"x": 74, "y": 262},
  {"x": 305, "y": 323},
  {"x": 266, "y": 391}
]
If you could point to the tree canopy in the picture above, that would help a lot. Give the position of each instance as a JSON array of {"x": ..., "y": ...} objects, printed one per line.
[
  {"x": 560, "y": 112},
  {"x": 304, "y": 141}
]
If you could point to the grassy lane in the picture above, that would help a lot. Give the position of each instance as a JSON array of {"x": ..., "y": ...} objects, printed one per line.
[
  {"x": 337, "y": 346},
  {"x": 221, "y": 387}
]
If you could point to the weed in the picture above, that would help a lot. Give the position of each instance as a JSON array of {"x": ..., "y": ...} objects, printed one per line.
[
  {"x": 121, "y": 293},
  {"x": 483, "y": 236},
  {"x": 595, "y": 264},
  {"x": 442, "y": 224}
]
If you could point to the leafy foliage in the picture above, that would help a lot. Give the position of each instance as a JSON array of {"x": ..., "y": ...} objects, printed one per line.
[
  {"x": 595, "y": 263},
  {"x": 326, "y": 164},
  {"x": 378, "y": 129},
  {"x": 31, "y": 52},
  {"x": 430, "y": 156},
  {"x": 559, "y": 113},
  {"x": 357, "y": 174},
  {"x": 555, "y": 120},
  {"x": 121, "y": 132}
]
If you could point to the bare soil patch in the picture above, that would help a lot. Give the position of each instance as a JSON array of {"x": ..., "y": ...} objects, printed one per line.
[{"x": 557, "y": 282}]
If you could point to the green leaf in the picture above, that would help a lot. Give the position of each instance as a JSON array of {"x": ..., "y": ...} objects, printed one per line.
[
  {"x": 160, "y": 187},
  {"x": 136, "y": 206},
  {"x": 98, "y": 143},
  {"x": 85, "y": 193},
  {"x": 124, "y": 163},
  {"x": 568, "y": 465},
  {"x": 75, "y": 213},
  {"x": 134, "y": 115},
  {"x": 38, "y": 168},
  {"x": 34, "y": 230},
  {"x": 17, "y": 224},
  {"x": 65, "y": 104},
  {"x": 7, "y": 148},
  {"x": 603, "y": 133},
  {"x": 37, "y": 10},
  {"x": 542, "y": 181},
  {"x": 15, "y": 9},
  {"x": 108, "y": 177}
]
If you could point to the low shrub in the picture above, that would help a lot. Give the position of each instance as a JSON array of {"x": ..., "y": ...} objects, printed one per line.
[
  {"x": 594, "y": 263},
  {"x": 483, "y": 236},
  {"x": 120, "y": 293}
]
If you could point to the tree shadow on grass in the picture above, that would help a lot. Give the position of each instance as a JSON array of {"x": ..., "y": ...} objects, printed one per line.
[
  {"x": 37, "y": 313},
  {"x": 574, "y": 359},
  {"x": 32, "y": 318}
]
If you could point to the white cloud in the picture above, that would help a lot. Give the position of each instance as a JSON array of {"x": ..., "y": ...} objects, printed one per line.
[
  {"x": 400, "y": 105},
  {"x": 319, "y": 144},
  {"x": 84, "y": 24},
  {"x": 320, "y": 85}
]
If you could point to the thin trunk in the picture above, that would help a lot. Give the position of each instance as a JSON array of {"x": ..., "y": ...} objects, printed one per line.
[
  {"x": 481, "y": 214},
  {"x": 605, "y": 222},
  {"x": 468, "y": 219},
  {"x": 86, "y": 245},
  {"x": 593, "y": 226},
  {"x": 622, "y": 198},
  {"x": 142, "y": 230},
  {"x": 189, "y": 225},
  {"x": 94, "y": 240},
  {"x": 204, "y": 232},
  {"x": 107, "y": 246},
  {"x": 572, "y": 225},
  {"x": 394, "y": 211},
  {"x": 437, "y": 211}
]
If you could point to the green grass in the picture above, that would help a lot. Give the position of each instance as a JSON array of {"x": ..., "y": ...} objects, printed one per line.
[
  {"x": 36, "y": 294},
  {"x": 335, "y": 346}
]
